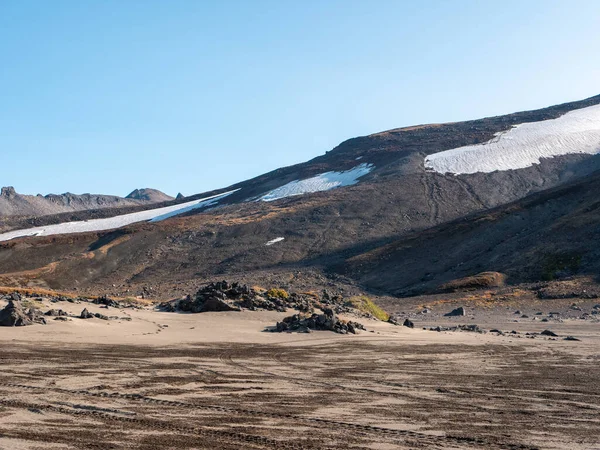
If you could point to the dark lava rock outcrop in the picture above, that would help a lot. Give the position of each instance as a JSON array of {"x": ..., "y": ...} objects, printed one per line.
[
  {"x": 85, "y": 314},
  {"x": 225, "y": 296},
  {"x": 104, "y": 300},
  {"x": 15, "y": 316},
  {"x": 56, "y": 313},
  {"x": 326, "y": 322},
  {"x": 460, "y": 311}
]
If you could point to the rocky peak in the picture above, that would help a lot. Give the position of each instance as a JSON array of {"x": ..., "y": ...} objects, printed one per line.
[
  {"x": 8, "y": 191},
  {"x": 149, "y": 195}
]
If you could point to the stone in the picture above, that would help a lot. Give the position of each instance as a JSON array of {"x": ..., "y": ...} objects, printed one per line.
[
  {"x": 85, "y": 314},
  {"x": 55, "y": 313},
  {"x": 548, "y": 333},
  {"x": 460, "y": 311},
  {"x": 104, "y": 300},
  {"x": 13, "y": 315},
  {"x": 408, "y": 323}
]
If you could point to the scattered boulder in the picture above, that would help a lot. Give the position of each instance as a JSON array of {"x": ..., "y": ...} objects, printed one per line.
[
  {"x": 548, "y": 333},
  {"x": 104, "y": 300},
  {"x": 393, "y": 321},
  {"x": 13, "y": 315},
  {"x": 408, "y": 323},
  {"x": 470, "y": 328},
  {"x": 85, "y": 314},
  {"x": 55, "y": 313},
  {"x": 460, "y": 311},
  {"x": 327, "y": 321},
  {"x": 571, "y": 338}
]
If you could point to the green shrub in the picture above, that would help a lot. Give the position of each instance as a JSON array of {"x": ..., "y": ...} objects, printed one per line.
[
  {"x": 31, "y": 303},
  {"x": 278, "y": 293},
  {"x": 366, "y": 305}
]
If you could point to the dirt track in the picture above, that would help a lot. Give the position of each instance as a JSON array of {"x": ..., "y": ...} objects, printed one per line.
[{"x": 378, "y": 390}]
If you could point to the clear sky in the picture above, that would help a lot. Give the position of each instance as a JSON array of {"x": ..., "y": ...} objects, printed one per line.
[{"x": 105, "y": 96}]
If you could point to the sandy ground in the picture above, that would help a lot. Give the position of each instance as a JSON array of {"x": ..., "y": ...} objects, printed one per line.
[{"x": 217, "y": 380}]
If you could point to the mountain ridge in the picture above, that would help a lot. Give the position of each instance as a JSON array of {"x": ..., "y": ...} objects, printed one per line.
[{"x": 14, "y": 204}]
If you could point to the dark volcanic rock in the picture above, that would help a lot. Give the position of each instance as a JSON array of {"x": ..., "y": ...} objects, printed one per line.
[
  {"x": 325, "y": 322},
  {"x": 456, "y": 312},
  {"x": 408, "y": 323},
  {"x": 225, "y": 296},
  {"x": 469, "y": 328},
  {"x": 15, "y": 316},
  {"x": 55, "y": 313},
  {"x": 85, "y": 314},
  {"x": 548, "y": 333},
  {"x": 104, "y": 300}
]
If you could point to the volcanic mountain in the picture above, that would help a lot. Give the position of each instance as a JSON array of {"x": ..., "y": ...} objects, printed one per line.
[{"x": 345, "y": 212}]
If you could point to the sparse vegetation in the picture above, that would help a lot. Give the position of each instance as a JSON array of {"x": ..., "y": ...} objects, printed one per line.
[
  {"x": 366, "y": 305},
  {"x": 556, "y": 264},
  {"x": 32, "y": 303},
  {"x": 278, "y": 293},
  {"x": 129, "y": 301}
]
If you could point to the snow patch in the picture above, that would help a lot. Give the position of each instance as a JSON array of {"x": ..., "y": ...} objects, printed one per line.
[
  {"x": 274, "y": 241},
  {"x": 152, "y": 215},
  {"x": 321, "y": 182},
  {"x": 524, "y": 145}
]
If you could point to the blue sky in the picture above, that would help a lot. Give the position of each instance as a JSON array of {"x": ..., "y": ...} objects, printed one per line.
[{"x": 187, "y": 96}]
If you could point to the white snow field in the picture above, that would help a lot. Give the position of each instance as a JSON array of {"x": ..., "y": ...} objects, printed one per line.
[
  {"x": 522, "y": 146},
  {"x": 274, "y": 241},
  {"x": 322, "y": 182},
  {"x": 152, "y": 215}
]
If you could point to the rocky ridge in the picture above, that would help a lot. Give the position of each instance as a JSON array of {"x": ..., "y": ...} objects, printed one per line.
[{"x": 14, "y": 204}]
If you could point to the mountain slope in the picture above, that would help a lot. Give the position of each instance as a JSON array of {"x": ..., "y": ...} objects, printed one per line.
[
  {"x": 546, "y": 235},
  {"x": 379, "y": 191}
]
